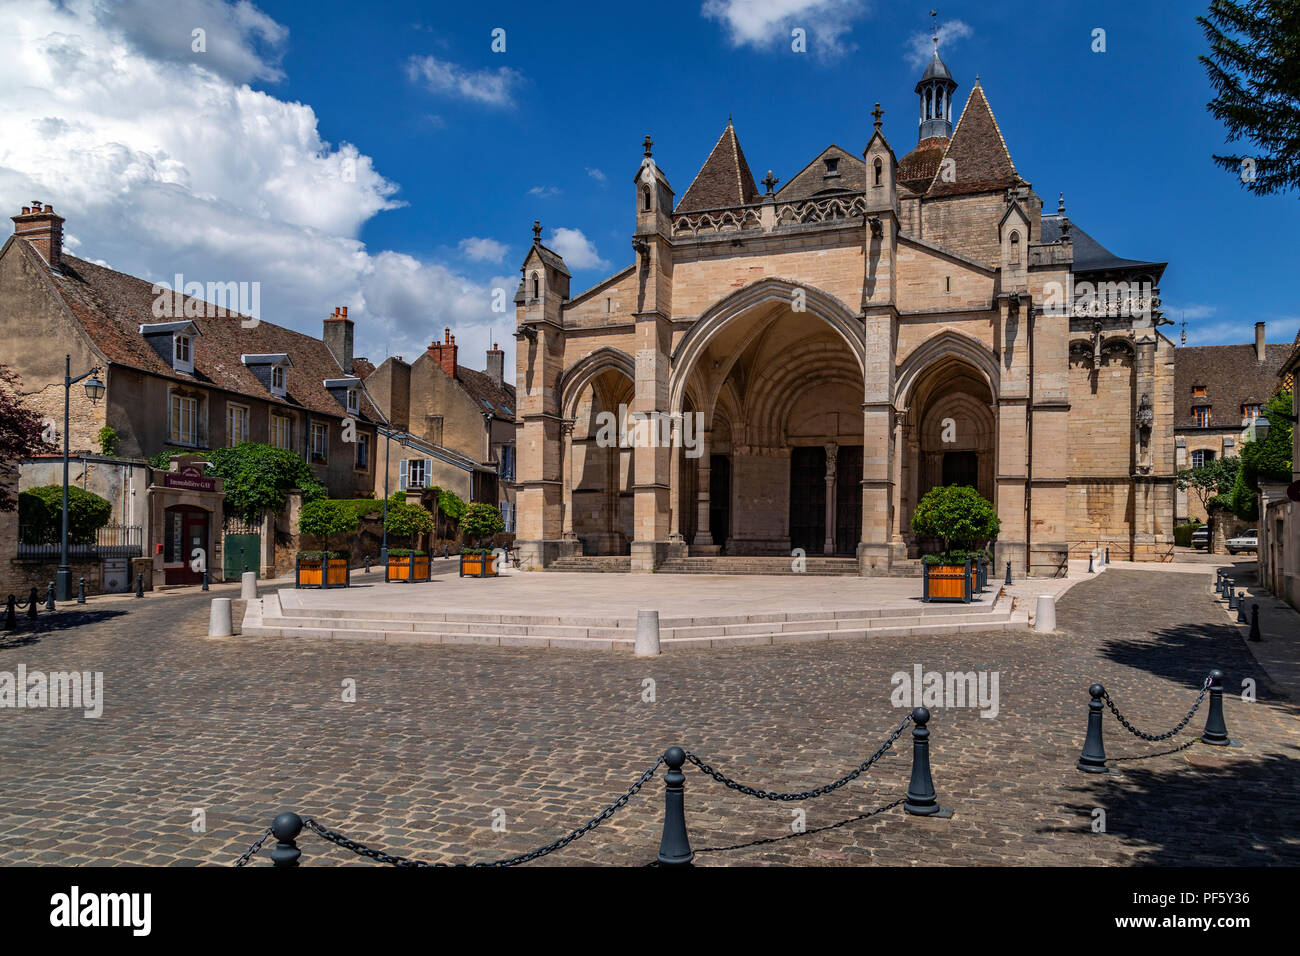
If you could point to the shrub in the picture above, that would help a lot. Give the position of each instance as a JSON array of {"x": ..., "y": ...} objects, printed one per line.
[
  {"x": 406, "y": 553},
  {"x": 108, "y": 440},
  {"x": 41, "y": 509},
  {"x": 451, "y": 504},
  {"x": 1183, "y": 533},
  {"x": 956, "y": 513},
  {"x": 481, "y": 521}
]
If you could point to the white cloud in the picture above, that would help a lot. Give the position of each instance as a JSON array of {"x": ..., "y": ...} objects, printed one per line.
[
  {"x": 544, "y": 192},
  {"x": 489, "y": 87},
  {"x": 766, "y": 24},
  {"x": 578, "y": 251},
  {"x": 483, "y": 250},
  {"x": 597, "y": 175},
  {"x": 161, "y": 165},
  {"x": 920, "y": 46}
]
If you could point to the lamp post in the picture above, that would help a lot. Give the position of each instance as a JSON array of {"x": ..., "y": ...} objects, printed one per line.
[
  {"x": 94, "y": 391},
  {"x": 388, "y": 443}
]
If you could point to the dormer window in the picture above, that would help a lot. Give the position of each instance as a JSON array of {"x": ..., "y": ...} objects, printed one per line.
[
  {"x": 277, "y": 380},
  {"x": 173, "y": 342},
  {"x": 270, "y": 369},
  {"x": 832, "y": 165},
  {"x": 353, "y": 403},
  {"x": 183, "y": 358}
]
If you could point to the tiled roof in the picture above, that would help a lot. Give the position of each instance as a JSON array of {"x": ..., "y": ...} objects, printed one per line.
[
  {"x": 480, "y": 387},
  {"x": 921, "y": 165},
  {"x": 978, "y": 151},
  {"x": 724, "y": 181},
  {"x": 1232, "y": 378},
  {"x": 111, "y": 307},
  {"x": 812, "y": 179}
]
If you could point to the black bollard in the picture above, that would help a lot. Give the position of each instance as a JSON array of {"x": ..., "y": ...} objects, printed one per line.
[
  {"x": 675, "y": 845},
  {"x": 49, "y": 597},
  {"x": 921, "y": 799},
  {"x": 1090, "y": 570},
  {"x": 286, "y": 827},
  {"x": 1232, "y": 599},
  {"x": 81, "y": 590},
  {"x": 1008, "y": 580},
  {"x": 139, "y": 585},
  {"x": 1254, "y": 623},
  {"x": 31, "y": 605},
  {"x": 205, "y": 579},
  {"x": 1108, "y": 555},
  {"x": 446, "y": 551},
  {"x": 1216, "y": 731},
  {"x": 1093, "y": 758},
  {"x": 11, "y": 613},
  {"x": 1241, "y": 607},
  {"x": 367, "y": 564}
]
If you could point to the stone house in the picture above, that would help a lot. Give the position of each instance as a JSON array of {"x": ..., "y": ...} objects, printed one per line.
[
  {"x": 1219, "y": 390},
  {"x": 795, "y": 368},
  {"x": 1279, "y": 506},
  {"x": 460, "y": 422}
]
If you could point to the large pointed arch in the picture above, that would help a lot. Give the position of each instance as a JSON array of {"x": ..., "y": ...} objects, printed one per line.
[
  {"x": 947, "y": 345},
  {"x": 577, "y": 375},
  {"x": 769, "y": 291}
]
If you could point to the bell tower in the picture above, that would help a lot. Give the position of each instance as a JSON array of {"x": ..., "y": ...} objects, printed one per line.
[{"x": 935, "y": 89}]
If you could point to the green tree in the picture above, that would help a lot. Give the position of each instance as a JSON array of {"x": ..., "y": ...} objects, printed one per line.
[
  {"x": 256, "y": 477},
  {"x": 956, "y": 513},
  {"x": 1210, "y": 480},
  {"x": 1267, "y": 460},
  {"x": 1254, "y": 68},
  {"x": 326, "y": 518},
  {"x": 406, "y": 520},
  {"x": 40, "y": 510},
  {"x": 481, "y": 521}
]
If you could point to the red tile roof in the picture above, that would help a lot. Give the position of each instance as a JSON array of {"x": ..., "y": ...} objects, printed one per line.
[
  {"x": 111, "y": 307},
  {"x": 978, "y": 151},
  {"x": 724, "y": 181}
]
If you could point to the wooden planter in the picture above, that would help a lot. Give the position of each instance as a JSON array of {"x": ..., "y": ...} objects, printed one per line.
[
  {"x": 477, "y": 565},
  {"x": 949, "y": 582},
  {"x": 307, "y": 573},
  {"x": 411, "y": 568}
]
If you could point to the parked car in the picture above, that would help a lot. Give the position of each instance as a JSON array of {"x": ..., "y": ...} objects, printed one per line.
[
  {"x": 1201, "y": 537},
  {"x": 1246, "y": 541}
]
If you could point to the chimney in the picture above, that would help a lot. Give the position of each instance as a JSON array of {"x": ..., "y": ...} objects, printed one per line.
[
  {"x": 1259, "y": 342},
  {"x": 496, "y": 365},
  {"x": 43, "y": 229},
  {"x": 338, "y": 338},
  {"x": 444, "y": 352}
]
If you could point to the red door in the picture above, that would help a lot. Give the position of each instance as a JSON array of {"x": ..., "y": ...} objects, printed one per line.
[{"x": 187, "y": 530}]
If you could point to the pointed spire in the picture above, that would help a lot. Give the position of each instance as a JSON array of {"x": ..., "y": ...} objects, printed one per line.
[
  {"x": 724, "y": 181},
  {"x": 978, "y": 151}
]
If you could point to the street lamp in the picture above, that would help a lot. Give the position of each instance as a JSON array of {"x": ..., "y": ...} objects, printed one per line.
[
  {"x": 94, "y": 391},
  {"x": 388, "y": 434}
]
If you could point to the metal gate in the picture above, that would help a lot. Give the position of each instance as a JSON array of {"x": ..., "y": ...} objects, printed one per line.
[{"x": 241, "y": 547}]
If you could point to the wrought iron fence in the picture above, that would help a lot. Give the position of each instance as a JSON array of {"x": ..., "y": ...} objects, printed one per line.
[{"x": 111, "y": 541}]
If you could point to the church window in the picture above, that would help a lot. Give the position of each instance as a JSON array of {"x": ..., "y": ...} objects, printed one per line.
[
  {"x": 947, "y": 283},
  {"x": 878, "y": 170},
  {"x": 647, "y": 200},
  {"x": 832, "y": 165},
  {"x": 536, "y": 286},
  {"x": 1015, "y": 248}
]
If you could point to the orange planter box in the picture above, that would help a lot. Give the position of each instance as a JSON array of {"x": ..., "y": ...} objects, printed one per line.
[
  {"x": 944, "y": 582},
  {"x": 408, "y": 568},
  {"x": 477, "y": 566},
  {"x": 309, "y": 572}
]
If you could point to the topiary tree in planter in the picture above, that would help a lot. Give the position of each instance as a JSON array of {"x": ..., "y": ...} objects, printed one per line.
[
  {"x": 481, "y": 521},
  {"x": 326, "y": 518},
  {"x": 956, "y": 513},
  {"x": 406, "y": 520}
]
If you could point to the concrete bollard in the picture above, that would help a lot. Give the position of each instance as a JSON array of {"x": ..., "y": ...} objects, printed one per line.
[
  {"x": 248, "y": 586},
  {"x": 1045, "y": 618},
  {"x": 219, "y": 619},
  {"x": 647, "y": 634}
]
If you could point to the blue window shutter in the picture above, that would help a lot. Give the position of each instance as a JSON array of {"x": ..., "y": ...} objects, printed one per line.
[
  {"x": 401, "y": 479},
  {"x": 428, "y": 472}
]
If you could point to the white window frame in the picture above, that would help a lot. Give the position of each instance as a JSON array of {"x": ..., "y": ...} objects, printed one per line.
[
  {"x": 363, "y": 441},
  {"x": 353, "y": 403},
  {"x": 323, "y": 430},
  {"x": 288, "y": 431},
  {"x": 183, "y": 352},
  {"x": 235, "y": 436},
  {"x": 177, "y": 407},
  {"x": 278, "y": 387},
  {"x": 407, "y": 467}
]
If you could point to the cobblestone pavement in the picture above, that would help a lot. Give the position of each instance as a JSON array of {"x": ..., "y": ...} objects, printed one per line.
[{"x": 440, "y": 737}]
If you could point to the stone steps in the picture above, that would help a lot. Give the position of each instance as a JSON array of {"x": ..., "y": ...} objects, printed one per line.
[
  {"x": 269, "y": 618},
  {"x": 595, "y": 563},
  {"x": 742, "y": 564}
]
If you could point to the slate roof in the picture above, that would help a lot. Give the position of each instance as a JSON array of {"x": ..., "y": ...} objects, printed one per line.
[
  {"x": 982, "y": 162},
  {"x": 919, "y": 167},
  {"x": 724, "y": 181},
  {"x": 111, "y": 306},
  {"x": 1232, "y": 378},
  {"x": 936, "y": 70},
  {"x": 812, "y": 179},
  {"x": 1089, "y": 254}
]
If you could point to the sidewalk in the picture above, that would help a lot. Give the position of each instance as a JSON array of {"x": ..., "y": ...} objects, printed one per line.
[{"x": 1278, "y": 649}]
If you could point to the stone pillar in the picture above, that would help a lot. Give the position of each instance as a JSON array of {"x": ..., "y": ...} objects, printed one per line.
[
  {"x": 566, "y": 455},
  {"x": 896, "y": 506},
  {"x": 1012, "y": 416},
  {"x": 1049, "y": 443},
  {"x": 832, "y": 460},
  {"x": 703, "y": 536},
  {"x": 875, "y": 548},
  {"x": 651, "y": 483},
  {"x": 676, "y": 542}
]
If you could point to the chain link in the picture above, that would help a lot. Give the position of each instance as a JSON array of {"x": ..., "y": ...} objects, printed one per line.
[
  {"x": 807, "y": 794},
  {"x": 1155, "y": 738},
  {"x": 252, "y": 850},
  {"x": 380, "y": 856}
]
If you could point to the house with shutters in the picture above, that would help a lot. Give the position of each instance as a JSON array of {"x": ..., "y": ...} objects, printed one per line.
[
  {"x": 183, "y": 373},
  {"x": 459, "y": 425}
]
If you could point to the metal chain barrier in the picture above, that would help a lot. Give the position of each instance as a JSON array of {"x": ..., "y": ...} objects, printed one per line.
[
  {"x": 807, "y": 794},
  {"x": 252, "y": 850},
  {"x": 380, "y": 856},
  {"x": 803, "y": 833},
  {"x": 1154, "y": 738}
]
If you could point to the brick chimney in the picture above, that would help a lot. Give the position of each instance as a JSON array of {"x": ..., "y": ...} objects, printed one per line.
[
  {"x": 43, "y": 229},
  {"x": 337, "y": 337},
  {"x": 444, "y": 352},
  {"x": 1260, "y": 351},
  {"x": 496, "y": 365}
]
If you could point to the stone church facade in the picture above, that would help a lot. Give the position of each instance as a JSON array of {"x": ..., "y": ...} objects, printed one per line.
[{"x": 871, "y": 329}]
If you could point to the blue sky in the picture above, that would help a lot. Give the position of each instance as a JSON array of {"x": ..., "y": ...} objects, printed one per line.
[{"x": 455, "y": 149}]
